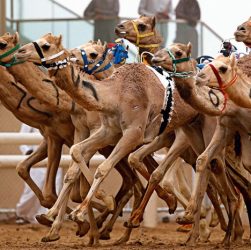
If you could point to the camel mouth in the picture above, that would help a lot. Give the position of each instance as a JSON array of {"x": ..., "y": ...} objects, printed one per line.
[
  {"x": 201, "y": 80},
  {"x": 23, "y": 54},
  {"x": 157, "y": 61},
  {"x": 239, "y": 36},
  {"x": 120, "y": 33}
]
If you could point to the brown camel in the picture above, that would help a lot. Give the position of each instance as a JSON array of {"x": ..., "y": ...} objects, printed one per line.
[
  {"x": 29, "y": 110},
  {"x": 58, "y": 101},
  {"x": 221, "y": 135},
  {"x": 33, "y": 89},
  {"x": 243, "y": 33},
  {"x": 224, "y": 74},
  {"x": 88, "y": 97},
  {"x": 142, "y": 33}
]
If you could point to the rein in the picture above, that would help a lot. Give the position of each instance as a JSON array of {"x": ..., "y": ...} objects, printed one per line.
[
  {"x": 55, "y": 65},
  {"x": 139, "y": 36},
  {"x": 13, "y": 61},
  {"x": 222, "y": 86},
  {"x": 95, "y": 67}
]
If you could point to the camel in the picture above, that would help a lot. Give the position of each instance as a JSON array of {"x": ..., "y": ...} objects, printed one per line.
[
  {"x": 221, "y": 135},
  {"x": 58, "y": 101},
  {"x": 106, "y": 105},
  {"x": 142, "y": 33},
  {"x": 33, "y": 89},
  {"x": 29, "y": 110},
  {"x": 243, "y": 33},
  {"x": 224, "y": 73}
]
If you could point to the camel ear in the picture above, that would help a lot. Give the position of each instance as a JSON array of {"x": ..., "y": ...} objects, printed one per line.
[
  {"x": 7, "y": 34},
  {"x": 99, "y": 42},
  {"x": 105, "y": 45},
  {"x": 16, "y": 38},
  {"x": 59, "y": 40},
  {"x": 233, "y": 61},
  {"x": 153, "y": 22},
  {"x": 189, "y": 49}
]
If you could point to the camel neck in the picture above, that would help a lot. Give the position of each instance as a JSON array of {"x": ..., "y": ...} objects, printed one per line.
[
  {"x": 200, "y": 98},
  {"x": 83, "y": 92},
  {"x": 41, "y": 86}
]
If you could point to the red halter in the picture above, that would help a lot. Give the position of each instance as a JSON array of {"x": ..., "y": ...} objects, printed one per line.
[{"x": 222, "y": 86}]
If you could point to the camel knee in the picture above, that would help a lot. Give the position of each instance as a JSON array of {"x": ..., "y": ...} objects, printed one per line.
[
  {"x": 22, "y": 171},
  {"x": 156, "y": 177},
  {"x": 76, "y": 153},
  {"x": 71, "y": 176},
  {"x": 201, "y": 163},
  {"x": 133, "y": 161}
]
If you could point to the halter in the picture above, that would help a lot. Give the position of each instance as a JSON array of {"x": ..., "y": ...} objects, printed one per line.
[
  {"x": 176, "y": 61},
  {"x": 95, "y": 67},
  {"x": 54, "y": 65},
  {"x": 222, "y": 86},
  {"x": 13, "y": 61},
  {"x": 139, "y": 36}
]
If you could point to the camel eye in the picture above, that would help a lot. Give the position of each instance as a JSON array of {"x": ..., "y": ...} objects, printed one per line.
[
  {"x": 223, "y": 69},
  {"x": 178, "y": 53},
  {"x": 141, "y": 27},
  {"x": 3, "y": 45},
  {"x": 46, "y": 46}
]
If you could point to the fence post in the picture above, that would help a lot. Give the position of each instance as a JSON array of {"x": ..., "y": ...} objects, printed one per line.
[{"x": 2, "y": 17}]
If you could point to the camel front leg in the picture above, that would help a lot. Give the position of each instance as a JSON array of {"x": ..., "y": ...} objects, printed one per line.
[
  {"x": 202, "y": 174},
  {"x": 131, "y": 138},
  {"x": 179, "y": 145},
  {"x": 143, "y": 154},
  {"x": 23, "y": 169},
  {"x": 54, "y": 156}
]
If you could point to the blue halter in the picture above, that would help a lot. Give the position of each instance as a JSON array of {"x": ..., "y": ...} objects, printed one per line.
[
  {"x": 119, "y": 54},
  {"x": 93, "y": 70}
]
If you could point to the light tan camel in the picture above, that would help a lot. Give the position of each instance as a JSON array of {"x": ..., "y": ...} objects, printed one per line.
[
  {"x": 88, "y": 97},
  {"x": 58, "y": 101},
  {"x": 33, "y": 89},
  {"x": 219, "y": 140},
  {"x": 243, "y": 33},
  {"x": 224, "y": 74}
]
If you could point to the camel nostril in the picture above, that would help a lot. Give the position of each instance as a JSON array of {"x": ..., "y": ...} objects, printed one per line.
[
  {"x": 241, "y": 28},
  {"x": 21, "y": 50},
  {"x": 121, "y": 26}
]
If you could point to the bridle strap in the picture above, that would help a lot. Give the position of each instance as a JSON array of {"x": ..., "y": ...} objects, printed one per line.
[
  {"x": 222, "y": 86},
  {"x": 176, "y": 61},
  {"x": 13, "y": 61},
  {"x": 54, "y": 65},
  {"x": 139, "y": 36},
  {"x": 96, "y": 66},
  {"x": 9, "y": 52}
]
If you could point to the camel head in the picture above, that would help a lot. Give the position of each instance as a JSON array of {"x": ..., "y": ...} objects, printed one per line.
[
  {"x": 171, "y": 57},
  {"x": 243, "y": 33},
  {"x": 140, "y": 31},
  {"x": 46, "y": 50},
  {"x": 8, "y": 45},
  {"x": 92, "y": 55},
  {"x": 219, "y": 73}
]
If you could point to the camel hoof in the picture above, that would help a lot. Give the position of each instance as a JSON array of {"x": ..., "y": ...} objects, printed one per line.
[
  {"x": 50, "y": 238},
  {"x": 83, "y": 228},
  {"x": 43, "y": 219},
  {"x": 173, "y": 206},
  {"x": 184, "y": 220},
  {"x": 105, "y": 235},
  {"x": 130, "y": 224}
]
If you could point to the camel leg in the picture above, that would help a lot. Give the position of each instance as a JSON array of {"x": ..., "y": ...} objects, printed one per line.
[
  {"x": 23, "y": 169},
  {"x": 54, "y": 156},
  {"x": 70, "y": 177},
  {"x": 131, "y": 138},
  {"x": 202, "y": 174},
  {"x": 179, "y": 145},
  {"x": 171, "y": 177}
]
